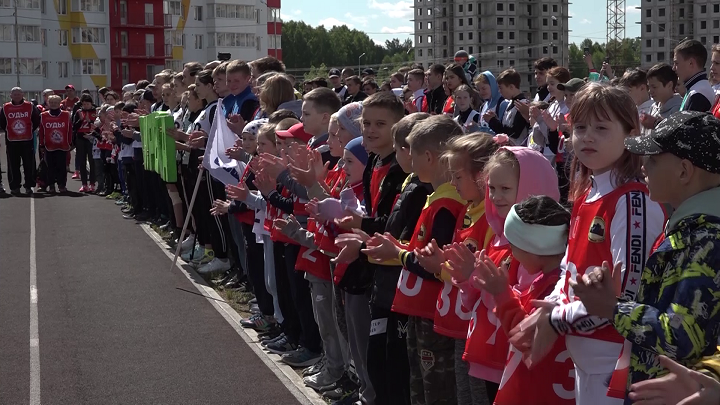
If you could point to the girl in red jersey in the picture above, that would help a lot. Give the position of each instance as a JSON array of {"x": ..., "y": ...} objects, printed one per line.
[
  {"x": 612, "y": 220},
  {"x": 537, "y": 231},
  {"x": 467, "y": 156},
  {"x": 513, "y": 174}
]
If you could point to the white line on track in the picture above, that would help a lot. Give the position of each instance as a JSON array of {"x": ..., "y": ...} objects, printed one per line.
[
  {"x": 285, "y": 374},
  {"x": 34, "y": 335}
]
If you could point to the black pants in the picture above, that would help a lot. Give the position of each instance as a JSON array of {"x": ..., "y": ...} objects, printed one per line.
[
  {"x": 218, "y": 225},
  {"x": 201, "y": 209},
  {"x": 291, "y": 324},
  {"x": 56, "y": 168},
  {"x": 300, "y": 292},
  {"x": 20, "y": 153},
  {"x": 83, "y": 154},
  {"x": 131, "y": 184},
  {"x": 140, "y": 192},
  {"x": 256, "y": 271},
  {"x": 387, "y": 360}
]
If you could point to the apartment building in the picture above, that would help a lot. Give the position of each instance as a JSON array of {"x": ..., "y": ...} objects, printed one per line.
[
  {"x": 108, "y": 43},
  {"x": 664, "y": 23},
  {"x": 499, "y": 34}
]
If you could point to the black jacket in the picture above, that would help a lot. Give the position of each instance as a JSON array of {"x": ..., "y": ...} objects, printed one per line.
[
  {"x": 436, "y": 100},
  {"x": 400, "y": 224},
  {"x": 389, "y": 189}
]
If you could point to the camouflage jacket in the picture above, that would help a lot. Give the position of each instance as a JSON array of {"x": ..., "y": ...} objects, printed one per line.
[{"x": 677, "y": 312}]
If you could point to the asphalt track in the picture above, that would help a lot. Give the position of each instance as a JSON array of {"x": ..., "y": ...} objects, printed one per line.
[{"x": 116, "y": 326}]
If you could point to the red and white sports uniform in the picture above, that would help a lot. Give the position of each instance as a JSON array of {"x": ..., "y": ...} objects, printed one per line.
[
  {"x": 274, "y": 213},
  {"x": 553, "y": 378},
  {"x": 487, "y": 345},
  {"x": 608, "y": 224},
  {"x": 88, "y": 121},
  {"x": 55, "y": 132},
  {"x": 451, "y": 318},
  {"x": 415, "y": 296},
  {"x": 19, "y": 121}
]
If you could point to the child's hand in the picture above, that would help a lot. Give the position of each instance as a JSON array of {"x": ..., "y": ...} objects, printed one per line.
[
  {"x": 489, "y": 115},
  {"x": 523, "y": 108},
  {"x": 297, "y": 156},
  {"x": 534, "y": 336},
  {"x": 681, "y": 386},
  {"x": 350, "y": 222},
  {"x": 127, "y": 133},
  {"x": 535, "y": 113},
  {"x": 461, "y": 261},
  {"x": 234, "y": 153},
  {"x": 382, "y": 247},
  {"x": 648, "y": 121},
  {"x": 349, "y": 244},
  {"x": 236, "y": 123},
  {"x": 264, "y": 183},
  {"x": 599, "y": 288},
  {"x": 549, "y": 121},
  {"x": 489, "y": 277},
  {"x": 280, "y": 224},
  {"x": 237, "y": 193},
  {"x": 272, "y": 165},
  {"x": 220, "y": 207},
  {"x": 431, "y": 257}
]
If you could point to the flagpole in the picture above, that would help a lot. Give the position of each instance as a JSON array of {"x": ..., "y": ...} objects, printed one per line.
[{"x": 187, "y": 218}]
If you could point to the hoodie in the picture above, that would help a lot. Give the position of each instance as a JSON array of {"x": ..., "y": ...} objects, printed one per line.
[
  {"x": 537, "y": 177},
  {"x": 667, "y": 108},
  {"x": 496, "y": 102},
  {"x": 676, "y": 310}
]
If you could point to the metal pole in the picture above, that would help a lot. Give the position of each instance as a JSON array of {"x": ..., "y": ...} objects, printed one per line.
[
  {"x": 17, "y": 45},
  {"x": 187, "y": 218}
]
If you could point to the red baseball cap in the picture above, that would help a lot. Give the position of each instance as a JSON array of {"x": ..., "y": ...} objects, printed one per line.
[
  {"x": 69, "y": 86},
  {"x": 296, "y": 131}
]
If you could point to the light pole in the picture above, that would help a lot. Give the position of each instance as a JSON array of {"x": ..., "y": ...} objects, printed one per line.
[
  {"x": 360, "y": 57},
  {"x": 17, "y": 44},
  {"x": 562, "y": 37}
]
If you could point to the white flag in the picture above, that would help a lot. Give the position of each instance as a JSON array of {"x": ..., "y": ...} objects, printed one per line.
[{"x": 222, "y": 167}]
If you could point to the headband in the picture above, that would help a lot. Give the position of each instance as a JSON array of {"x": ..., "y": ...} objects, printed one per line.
[{"x": 541, "y": 240}]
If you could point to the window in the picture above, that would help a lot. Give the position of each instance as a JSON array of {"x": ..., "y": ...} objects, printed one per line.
[
  {"x": 511, "y": 7},
  {"x": 716, "y": 9},
  {"x": 274, "y": 41},
  {"x": 6, "y": 33},
  {"x": 648, "y": 13},
  {"x": 420, "y": 52},
  {"x": 555, "y": 8},
  {"x": 648, "y": 28},
  {"x": 500, "y": 35},
  {"x": 43, "y": 67},
  {"x": 420, "y": 39},
  {"x": 703, "y": 40},
  {"x": 42, "y": 6},
  {"x": 199, "y": 41},
  {"x": 703, "y": 9},
  {"x": 174, "y": 65},
  {"x": 62, "y": 7},
  {"x": 661, "y": 12},
  {"x": 29, "y": 4},
  {"x": 555, "y": 36},
  {"x": 500, "y": 21},
  {"x": 555, "y": 49},
  {"x": 555, "y": 22},
  {"x": 703, "y": 24},
  {"x": 470, "y": 50},
  {"x": 461, "y": 22},
  {"x": 469, "y": 8},
  {"x": 512, "y": 34},
  {"x": 511, "y": 21},
  {"x": 30, "y": 66},
  {"x": 661, "y": 42},
  {"x": 500, "y": 64},
  {"x": 545, "y": 8},
  {"x": 512, "y": 49},
  {"x": 648, "y": 43},
  {"x": 716, "y": 39},
  {"x": 470, "y": 21},
  {"x": 545, "y": 23},
  {"x": 62, "y": 69},
  {"x": 43, "y": 36},
  {"x": 460, "y": 36},
  {"x": 429, "y": 25},
  {"x": 85, "y": 35},
  {"x": 460, "y": 8},
  {"x": 125, "y": 75},
  {"x": 660, "y": 56},
  {"x": 470, "y": 36},
  {"x": 681, "y": 28},
  {"x": 93, "y": 6},
  {"x": 232, "y": 39},
  {"x": 419, "y": 25},
  {"x": 6, "y": 66},
  {"x": 545, "y": 36},
  {"x": 682, "y": 12},
  {"x": 89, "y": 66},
  {"x": 172, "y": 7},
  {"x": 29, "y": 33},
  {"x": 500, "y": 49},
  {"x": 63, "y": 37},
  {"x": 236, "y": 11},
  {"x": 429, "y": 39},
  {"x": 197, "y": 13},
  {"x": 175, "y": 38},
  {"x": 499, "y": 7}
]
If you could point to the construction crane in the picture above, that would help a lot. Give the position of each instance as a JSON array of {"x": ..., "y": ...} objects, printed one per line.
[{"x": 615, "y": 30}]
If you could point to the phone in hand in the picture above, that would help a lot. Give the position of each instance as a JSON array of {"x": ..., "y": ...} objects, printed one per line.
[
  {"x": 586, "y": 51},
  {"x": 607, "y": 60}
]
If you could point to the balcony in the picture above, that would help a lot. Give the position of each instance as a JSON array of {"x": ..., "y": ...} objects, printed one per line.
[
  {"x": 143, "y": 52},
  {"x": 168, "y": 50},
  {"x": 143, "y": 20}
]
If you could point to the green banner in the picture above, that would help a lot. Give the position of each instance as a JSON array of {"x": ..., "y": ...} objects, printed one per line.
[{"x": 158, "y": 147}]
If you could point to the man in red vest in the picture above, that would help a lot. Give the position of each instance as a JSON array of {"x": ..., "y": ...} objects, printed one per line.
[
  {"x": 55, "y": 139},
  {"x": 19, "y": 119}
]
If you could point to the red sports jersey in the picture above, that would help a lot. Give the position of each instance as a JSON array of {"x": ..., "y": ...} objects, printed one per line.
[
  {"x": 55, "y": 133},
  {"x": 274, "y": 213},
  {"x": 415, "y": 296},
  {"x": 589, "y": 246},
  {"x": 19, "y": 121},
  {"x": 88, "y": 121},
  {"x": 313, "y": 261},
  {"x": 378, "y": 176},
  {"x": 449, "y": 107},
  {"x": 247, "y": 216},
  {"x": 553, "y": 378},
  {"x": 451, "y": 318},
  {"x": 487, "y": 343}
]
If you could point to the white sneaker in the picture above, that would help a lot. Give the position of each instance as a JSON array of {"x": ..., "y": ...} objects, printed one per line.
[
  {"x": 215, "y": 266},
  {"x": 187, "y": 244},
  {"x": 193, "y": 254},
  {"x": 321, "y": 379}
]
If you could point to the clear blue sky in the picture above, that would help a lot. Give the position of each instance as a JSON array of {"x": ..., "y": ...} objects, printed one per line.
[{"x": 387, "y": 19}]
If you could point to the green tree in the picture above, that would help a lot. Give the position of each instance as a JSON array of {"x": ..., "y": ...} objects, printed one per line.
[{"x": 627, "y": 56}]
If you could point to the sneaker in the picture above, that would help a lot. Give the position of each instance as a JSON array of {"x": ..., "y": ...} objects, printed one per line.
[
  {"x": 302, "y": 357},
  {"x": 28, "y": 190},
  {"x": 15, "y": 192},
  {"x": 129, "y": 215},
  {"x": 269, "y": 340},
  {"x": 91, "y": 188},
  {"x": 2, "y": 188},
  {"x": 205, "y": 257},
  {"x": 272, "y": 333},
  {"x": 214, "y": 266},
  {"x": 142, "y": 217},
  {"x": 258, "y": 322},
  {"x": 192, "y": 254},
  {"x": 340, "y": 389},
  {"x": 120, "y": 202},
  {"x": 315, "y": 368},
  {"x": 252, "y": 301},
  {"x": 62, "y": 190},
  {"x": 319, "y": 380},
  {"x": 76, "y": 175},
  {"x": 51, "y": 190},
  {"x": 281, "y": 346},
  {"x": 83, "y": 189},
  {"x": 41, "y": 189},
  {"x": 187, "y": 244}
]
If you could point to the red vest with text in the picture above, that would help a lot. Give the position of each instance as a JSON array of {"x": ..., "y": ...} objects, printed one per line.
[
  {"x": 313, "y": 261},
  {"x": 487, "y": 343},
  {"x": 451, "y": 318},
  {"x": 552, "y": 380},
  {"x": 589, "y": 246},
  {"x": 274, "y": 213},
  {"x": 376, "y": 180},
  {"x": 55, "y": 132},
  {"x": 88, "y": 121},
  {"x": 415, "y": 296},
  {"x": 19, "y": 121},
  {"x": 248, "y": 216}
]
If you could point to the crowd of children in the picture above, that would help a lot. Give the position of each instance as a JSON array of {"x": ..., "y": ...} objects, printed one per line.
[{"x": 467, "y": 245}]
